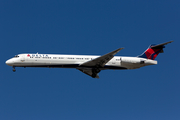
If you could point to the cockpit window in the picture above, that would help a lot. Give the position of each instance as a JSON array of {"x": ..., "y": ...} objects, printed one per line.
[{"x": 16, "y": 56}]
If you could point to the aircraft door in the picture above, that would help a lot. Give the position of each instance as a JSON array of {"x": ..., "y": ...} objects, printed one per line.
[
  {"x": 23, "y": 58},
  {"x": 120, "y": 61}
]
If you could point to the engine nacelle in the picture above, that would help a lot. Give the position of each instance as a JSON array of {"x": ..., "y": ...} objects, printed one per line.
[
  {"x": 137, "y": 61},
  {"x": 131, "y": 60}
]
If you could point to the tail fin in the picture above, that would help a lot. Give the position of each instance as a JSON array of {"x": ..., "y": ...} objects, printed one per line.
[{"x": 153, "y": 51}]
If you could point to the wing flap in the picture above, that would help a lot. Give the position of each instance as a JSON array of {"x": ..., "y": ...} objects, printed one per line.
[{"x": 89, "y": 72}]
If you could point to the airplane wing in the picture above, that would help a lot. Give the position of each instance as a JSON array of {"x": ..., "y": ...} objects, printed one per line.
[
  {"x": 91, "y": 68},
  {"x": 102, "y": 60}
]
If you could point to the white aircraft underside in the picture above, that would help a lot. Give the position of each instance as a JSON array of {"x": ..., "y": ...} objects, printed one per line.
[{"x": 90, "y": 65}]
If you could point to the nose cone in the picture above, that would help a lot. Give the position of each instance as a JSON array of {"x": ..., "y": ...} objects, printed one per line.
[{"x": 9, "y": 62}]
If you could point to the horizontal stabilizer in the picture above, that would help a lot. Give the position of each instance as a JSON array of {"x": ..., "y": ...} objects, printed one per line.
[{"x": 161, "y": 45}]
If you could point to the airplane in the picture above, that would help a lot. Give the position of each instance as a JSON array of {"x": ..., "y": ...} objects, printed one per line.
[{"x": 88, "y": 64}]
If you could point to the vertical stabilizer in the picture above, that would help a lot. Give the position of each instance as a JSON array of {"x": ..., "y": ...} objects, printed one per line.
[{"x": 154, "y": 50}]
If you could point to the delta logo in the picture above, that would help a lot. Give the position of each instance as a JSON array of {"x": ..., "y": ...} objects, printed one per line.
[{"x": 37, "y": 55}]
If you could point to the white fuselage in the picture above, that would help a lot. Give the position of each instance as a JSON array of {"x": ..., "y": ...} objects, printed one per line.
[{"x": 74, "y": 61}]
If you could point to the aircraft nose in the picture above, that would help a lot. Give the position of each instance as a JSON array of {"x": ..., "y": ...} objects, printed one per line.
[{"x": 9, "y": 62}]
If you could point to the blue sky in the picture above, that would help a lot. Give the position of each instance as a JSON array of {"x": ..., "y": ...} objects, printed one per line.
[{"x": 93, "y": 27}]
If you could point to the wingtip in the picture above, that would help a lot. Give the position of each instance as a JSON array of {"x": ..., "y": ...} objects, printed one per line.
[
  {"x": 171, "y": 41},
  {"x": 121, "y": 48}
]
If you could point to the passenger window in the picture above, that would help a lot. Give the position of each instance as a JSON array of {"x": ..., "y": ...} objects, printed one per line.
[{"x": 16, "y": 56}]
